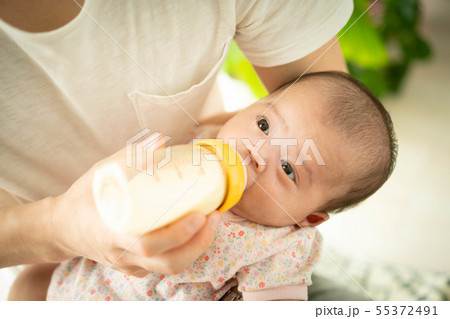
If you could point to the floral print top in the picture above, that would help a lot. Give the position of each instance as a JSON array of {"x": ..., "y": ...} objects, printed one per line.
[{"x": 267, "y": 263}]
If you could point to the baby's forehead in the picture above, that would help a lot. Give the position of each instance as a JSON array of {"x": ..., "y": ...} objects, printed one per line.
[
  {"x": 311, "y": 87},
  {"x": 308, "y": 81},
  {"x": 297, "y": 107}
]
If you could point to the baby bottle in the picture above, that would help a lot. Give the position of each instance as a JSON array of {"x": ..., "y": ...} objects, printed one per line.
[{"x": 201, "y": 177}]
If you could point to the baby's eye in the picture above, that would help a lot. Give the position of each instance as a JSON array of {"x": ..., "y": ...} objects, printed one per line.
[
  {"x": 287, "y": 168},
  {"x": 263, "y": 125}
]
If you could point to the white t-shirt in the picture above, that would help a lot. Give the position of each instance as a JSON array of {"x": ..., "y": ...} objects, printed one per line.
[{"x": 74, "y": 95}]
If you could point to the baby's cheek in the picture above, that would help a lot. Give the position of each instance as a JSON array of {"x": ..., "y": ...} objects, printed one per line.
[{"x": 229, "y": 130}]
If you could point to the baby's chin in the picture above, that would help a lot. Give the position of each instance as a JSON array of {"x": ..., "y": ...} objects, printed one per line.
[
  {"x": 236, "y": 210},
  {"x": 258, "y": 218},
  {"x": 240, "y": 210}
]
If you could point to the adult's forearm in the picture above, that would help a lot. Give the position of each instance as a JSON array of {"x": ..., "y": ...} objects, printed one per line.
[
  {"x": 329, "y": 57},
  {"x": 26, "y": 234}
]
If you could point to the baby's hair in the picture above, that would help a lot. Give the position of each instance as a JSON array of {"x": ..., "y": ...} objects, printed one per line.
[{"x": 356, "y": 113}]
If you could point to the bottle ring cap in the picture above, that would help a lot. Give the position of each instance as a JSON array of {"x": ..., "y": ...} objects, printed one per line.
[{"x": 231, "y": 162}]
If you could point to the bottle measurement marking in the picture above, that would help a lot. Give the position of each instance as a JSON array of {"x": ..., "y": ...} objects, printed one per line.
[{"x": 177, "y": 168}]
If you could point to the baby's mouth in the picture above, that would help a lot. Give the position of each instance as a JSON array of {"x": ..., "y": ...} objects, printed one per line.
[{"x": 249, "y": 163}]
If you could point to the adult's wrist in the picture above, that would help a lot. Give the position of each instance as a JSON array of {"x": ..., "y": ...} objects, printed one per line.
[
  {"x": 57, "y": 228},
  {"x": 28, "y": 234}
]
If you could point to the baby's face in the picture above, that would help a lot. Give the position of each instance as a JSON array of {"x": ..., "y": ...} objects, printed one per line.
[{"x": 278, "y": 184}]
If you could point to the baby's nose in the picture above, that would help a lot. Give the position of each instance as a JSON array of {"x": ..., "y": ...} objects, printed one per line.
[{"x": 257, "y": 161}]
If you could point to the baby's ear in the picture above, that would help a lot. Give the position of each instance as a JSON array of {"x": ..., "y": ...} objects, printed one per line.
[{"x": 314, "y": 219}]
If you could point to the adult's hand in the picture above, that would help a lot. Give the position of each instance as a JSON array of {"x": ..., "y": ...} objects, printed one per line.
[
  {"x": 168, "y": 250},
  {"x": 66, "y": 226}
]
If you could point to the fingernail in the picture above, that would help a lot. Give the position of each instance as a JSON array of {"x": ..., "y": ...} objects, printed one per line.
[
  {"x": 196, "y": 223},
  {"x": 215, "y": 220}
]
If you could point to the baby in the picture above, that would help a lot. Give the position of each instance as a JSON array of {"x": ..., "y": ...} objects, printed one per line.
[{"x": 317, "y": 146}]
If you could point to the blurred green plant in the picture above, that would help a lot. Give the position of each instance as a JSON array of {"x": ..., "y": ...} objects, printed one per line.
[
  {"x": 238, "y": 67},
  {"x": 379, "y": 48}
]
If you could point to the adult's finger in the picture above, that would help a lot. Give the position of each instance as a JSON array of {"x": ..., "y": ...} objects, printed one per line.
[
  {"x": 172, "y": 236},
  {"x": 177, "y": 259}
]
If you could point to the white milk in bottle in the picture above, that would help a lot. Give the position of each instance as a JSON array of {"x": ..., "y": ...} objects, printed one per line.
[{"x": 203, "y": 177}]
